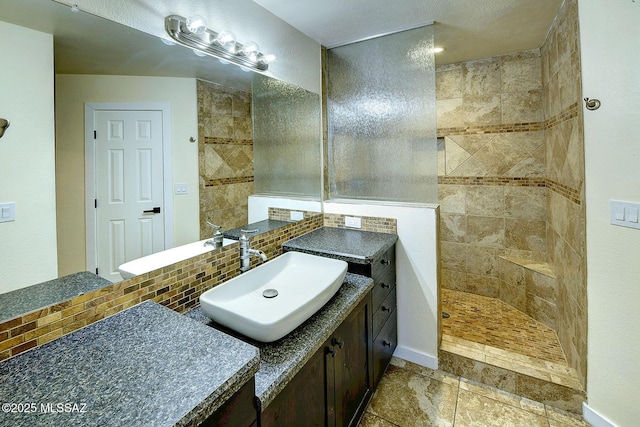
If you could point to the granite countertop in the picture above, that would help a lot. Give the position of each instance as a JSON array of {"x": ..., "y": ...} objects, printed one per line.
[
  {"x": 261, "y": 226},
  {"x": 282, "y": 359},
  {"x": 147, "y": 365},
  {"x": 356, "y": 246},
  {"x": 22, "y": 301}
]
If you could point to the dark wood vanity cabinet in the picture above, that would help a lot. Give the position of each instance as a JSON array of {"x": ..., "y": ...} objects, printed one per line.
[
  {"x": 333, "y": 387},
  {"x": 238, "y": 411},
  {"x": 384, "y": 321}
]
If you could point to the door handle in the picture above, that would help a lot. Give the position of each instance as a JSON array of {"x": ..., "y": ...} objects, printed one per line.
[{"x": 154, "y": 210}]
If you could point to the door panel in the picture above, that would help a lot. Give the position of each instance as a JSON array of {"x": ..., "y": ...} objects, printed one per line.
[{"x": 129, "y": 181}]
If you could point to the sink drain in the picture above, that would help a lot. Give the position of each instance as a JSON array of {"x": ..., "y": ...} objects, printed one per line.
[{"x": 270, "y": 293}]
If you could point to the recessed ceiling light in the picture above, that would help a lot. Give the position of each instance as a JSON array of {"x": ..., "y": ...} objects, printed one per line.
[{"x": 438, "y": 49}]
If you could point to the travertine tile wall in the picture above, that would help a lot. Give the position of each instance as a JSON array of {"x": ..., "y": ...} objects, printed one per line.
[
  {"x": 511, "y": 176},
  {"x": 561, "y": 76},
  {"x": 491, "y": 169},
  {"x": 225, "y": 156},
  {"x": 177, "y": 287}
]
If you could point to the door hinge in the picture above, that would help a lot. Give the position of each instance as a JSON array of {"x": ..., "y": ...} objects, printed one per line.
[
  {"x": 95, "y": 203},
  {"x": 95, "y": 135},
  {"x": 96, "y": 270}
]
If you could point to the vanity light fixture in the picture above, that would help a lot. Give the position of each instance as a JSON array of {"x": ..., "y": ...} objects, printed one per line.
[{"x": 192, "y": 32}]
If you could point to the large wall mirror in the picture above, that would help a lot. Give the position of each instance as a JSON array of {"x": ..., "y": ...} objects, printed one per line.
[{"x": 97, "y": 62}]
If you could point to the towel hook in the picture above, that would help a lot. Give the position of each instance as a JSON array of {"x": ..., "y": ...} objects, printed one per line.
[
  {"x": 4, "y": 124},
  {"x": 592, "y": 104}
]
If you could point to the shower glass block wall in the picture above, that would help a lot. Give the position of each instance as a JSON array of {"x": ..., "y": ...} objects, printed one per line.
[
  {"x": 382, "y": 119},
  {"x": 287, "y": 147}
]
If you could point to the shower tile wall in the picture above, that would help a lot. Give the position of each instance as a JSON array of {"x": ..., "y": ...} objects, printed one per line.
[
  {"x": 225, "y": 156},
  {"x": 511, "y": 177},
  {"x": 491, "y": 169},
  {"x": 565, "y": 181}
]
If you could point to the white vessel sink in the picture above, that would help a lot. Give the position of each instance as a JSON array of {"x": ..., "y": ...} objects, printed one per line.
[
  {"x": 165, "y": 258},
  {"x": 303, "y": 283}
]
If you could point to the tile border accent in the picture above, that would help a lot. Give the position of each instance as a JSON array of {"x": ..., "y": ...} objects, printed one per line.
[
  {"x": 568, "y": 193},
  {"x": 227, "y": 141},
  {"x": 568, "y": 113},
  {"x": 226, "y": 181},
  {"x": 497, "y": 128},
  {"x": 177, "y": 287},
  {"x": 492, "y": 180}
]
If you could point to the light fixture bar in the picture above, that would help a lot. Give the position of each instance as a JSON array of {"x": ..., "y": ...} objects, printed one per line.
[{"x": 176, "y": 27}]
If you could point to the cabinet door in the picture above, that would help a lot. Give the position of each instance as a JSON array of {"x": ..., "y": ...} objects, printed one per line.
[
  {"x": 351, "y": 366},
  {"x": 303, "y": 400}
]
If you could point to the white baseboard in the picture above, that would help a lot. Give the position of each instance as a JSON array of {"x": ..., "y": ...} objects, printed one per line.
[
  {"x": 412, "y": 355},
  {"x": 594, "y": 418}
]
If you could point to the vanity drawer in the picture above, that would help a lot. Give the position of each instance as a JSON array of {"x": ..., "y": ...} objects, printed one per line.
[
  {"x": 383, "y": 347},
  {"x": 383, "y": 313},
  {"x": 382, "y": 288},
  {"x": 385, "y": 262}
]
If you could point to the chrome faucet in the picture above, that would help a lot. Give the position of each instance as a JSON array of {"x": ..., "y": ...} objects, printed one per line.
[
  {"x": 217, "y": 239},
  {"x": 246, "y": 252}
]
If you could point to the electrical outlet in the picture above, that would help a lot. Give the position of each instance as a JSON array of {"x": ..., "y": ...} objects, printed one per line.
[
  {"x": 353, "y": 222},
  {"x": 296, "y": 215}
]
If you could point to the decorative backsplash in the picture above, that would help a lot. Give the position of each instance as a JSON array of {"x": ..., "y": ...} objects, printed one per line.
[
  {"x": 176, "y": 287},
  {"x": 369, "y": 223}
]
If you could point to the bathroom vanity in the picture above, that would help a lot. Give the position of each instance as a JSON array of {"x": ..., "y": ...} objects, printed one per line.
[
  {"x": 372, "y": 255},
  {"x": 149, "y": 365}
]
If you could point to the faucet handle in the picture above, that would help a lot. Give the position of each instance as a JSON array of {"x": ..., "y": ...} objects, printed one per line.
[{"x": 212, "y": 225}]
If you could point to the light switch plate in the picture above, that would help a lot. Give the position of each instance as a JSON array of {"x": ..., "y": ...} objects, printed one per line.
[
  {"x": 624, "y": 214},
  {"x": 353, "y": 222},
  {"x": 7, "y": 212},
  {"x": 181, "y": 188},
  {"x": 296, "y": 215}
]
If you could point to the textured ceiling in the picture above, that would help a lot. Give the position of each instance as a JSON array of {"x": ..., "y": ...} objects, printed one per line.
[{"x": 468, "y": 29}]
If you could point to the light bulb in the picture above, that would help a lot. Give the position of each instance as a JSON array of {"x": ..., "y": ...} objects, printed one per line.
[
  {"x": 196, "y": 24},
  {"x": 250, "y": 50},
  {"x": 268, "y": 59},
  {"x": 227, "y": 40}
]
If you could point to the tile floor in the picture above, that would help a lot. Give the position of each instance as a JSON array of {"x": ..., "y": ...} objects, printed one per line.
[{"x": 411, "y": 395}]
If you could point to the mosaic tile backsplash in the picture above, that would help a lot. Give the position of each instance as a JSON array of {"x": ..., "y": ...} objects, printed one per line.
[{"x": 176, "y": 287}]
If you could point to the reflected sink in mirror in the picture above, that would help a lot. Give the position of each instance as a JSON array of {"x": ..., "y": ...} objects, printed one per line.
[
  {"x": 271, "y": 300},
  {"x": 165, "y": 258}
]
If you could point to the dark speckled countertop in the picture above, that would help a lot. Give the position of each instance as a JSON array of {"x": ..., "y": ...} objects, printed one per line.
[
  {"x": 145, "y": 366},
  {"x": 357, "y": 246},
  {"x": 22, "y": 301},
  {"x": 282, "y": 359}
]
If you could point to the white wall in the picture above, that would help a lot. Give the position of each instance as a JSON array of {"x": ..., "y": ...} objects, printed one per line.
[
  {"x": 72, "y": 91},
  {"x": 416, "y": 276},
  {"x": 298, "y": 57},
  {"x": 610, "y": 45},
  {"x": 27, "y": 245}
]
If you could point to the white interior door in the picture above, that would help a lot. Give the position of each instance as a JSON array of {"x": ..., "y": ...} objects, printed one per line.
[{"x": 129, "y": 188}]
